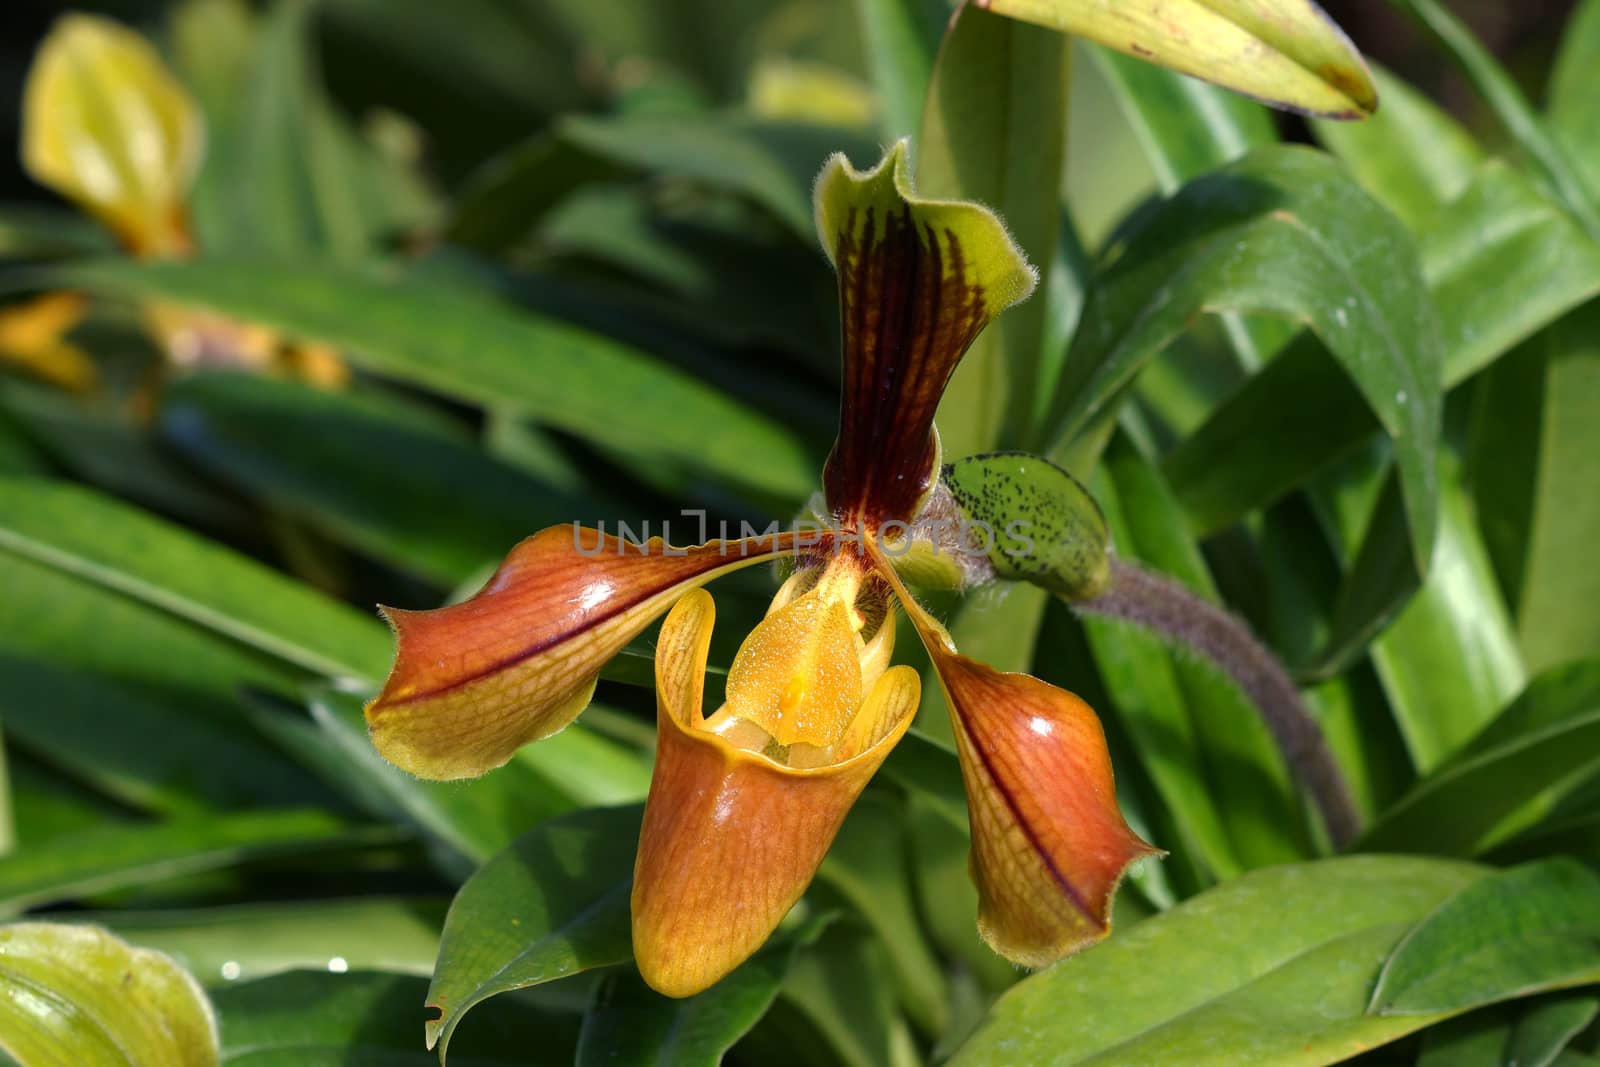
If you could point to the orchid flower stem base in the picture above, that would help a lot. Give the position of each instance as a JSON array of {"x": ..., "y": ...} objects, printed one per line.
[{"x": 1177, "y": 613}]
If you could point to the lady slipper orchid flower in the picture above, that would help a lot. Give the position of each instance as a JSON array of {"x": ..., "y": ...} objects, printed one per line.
[{"x": 746, "y": 800}]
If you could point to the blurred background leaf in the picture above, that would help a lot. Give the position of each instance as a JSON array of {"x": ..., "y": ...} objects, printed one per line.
[{"x": 563, "y": 253}]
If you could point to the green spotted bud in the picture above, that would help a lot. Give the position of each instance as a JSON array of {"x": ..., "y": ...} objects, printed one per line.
[{"x": 1037, "y": 522}]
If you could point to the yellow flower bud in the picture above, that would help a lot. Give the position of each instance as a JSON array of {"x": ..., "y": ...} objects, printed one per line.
[{"x": 105, "y": 124}]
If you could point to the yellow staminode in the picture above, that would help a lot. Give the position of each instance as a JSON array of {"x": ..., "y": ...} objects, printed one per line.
[
  {"x": 798, "y": 675},
  {"x": 105, "y": 124}
]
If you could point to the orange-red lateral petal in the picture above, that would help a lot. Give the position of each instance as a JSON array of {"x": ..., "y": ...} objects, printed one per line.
[
  {"x": 730, "y": 838},
  {"x": 473, "y": 682},
  {"x": 1049, "y": 844}
]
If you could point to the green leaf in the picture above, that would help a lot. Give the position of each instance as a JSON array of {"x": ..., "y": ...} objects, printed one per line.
[
  {"x": 512, "y": 192},
  {"x": 106, "y": 449},
  {"x": 1500, "y": 91},
  {"x": 1524, "y": 1034},
  {"x": 1302, "y": 573},
  {"x": 1560, "y": 835},
  {"x": 474, "y": 78},
  {"x": 46, "y": 805},
  {"x": 930, "y": 769},
  {"x": 1381, "y": 578},
  {"x": 554, "y": 904},
  {"x": 1037, "y": 522},
  {"x": 901, "y": 39},
  {"x": 1186, "y": 127},
  {"x": 947, "y": 900},
  {"x": 1195, "y": 732},
  {"x": 45, "y": 614},
  {"x": 77, "y": 995},
  {"x": 1285, "y": 232},
  {"x": 240, "y": 942},
  {"x": 673, "y": 292},
  {"x": 285, "y": 175},
  {"x": 1297, "y": 945},
  {"x": 156, "y": 659},
  {"x": 770, "y": 164},
  {"x": 1502, "y": 262},
  {"x": 994, "y": 130},
  {"x": 1557, "y": 695},
  {"x": 435, "y": 505},
  {"x": 473, "y": 820},
  {"x": 630, "y": 1025},
  {"x": 1530, "y": 751},
  {"x": 349, "y": 1021},
  {"x": 1535, "y": 429},
  {"x": 591, "y": 768},
  {"x": 129, "y": 551},
  {"x": 152, "y": 754},
  {"x": 1579, "y": 48},
  {"x": 1450, "y": 660},
  {"x": 1574, "y": 114},
  {"x": 870, "y": 868},
  {"x": 368, "y": 1020},
  {"x": 1530, "y": 929},
  {"x": 739, "y": 156},
  {"x": 1292, "y": 56},
  {"x": 1474, "y": 1040},
  {"x": 1546, "y": 1027},
  {"x": 18, "y": 453},
  {"x": 485, "y": 351},
  {"x": 28, "y": 229},
  {"x": 97, "y": 861},
  {"x": 841, "y": 989},
  {"x": 8, "y": 818},
  {"x": 1384, "y": 156}
]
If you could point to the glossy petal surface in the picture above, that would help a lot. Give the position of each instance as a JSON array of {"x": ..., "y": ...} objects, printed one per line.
[
  {"x": 918, "y": 280},
  {"x": 475, "y": 681},
  {"x": 731, "y": 838},
  {"x": 798, "y": 674},
  {"x": 1049, "y": 844}
]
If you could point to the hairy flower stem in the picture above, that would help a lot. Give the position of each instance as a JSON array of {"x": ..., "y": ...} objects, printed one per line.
[{"x": 1172, "y": 610}]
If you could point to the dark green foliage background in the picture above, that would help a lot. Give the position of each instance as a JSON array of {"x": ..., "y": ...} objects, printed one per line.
[{"x": 1349, "y": 387}]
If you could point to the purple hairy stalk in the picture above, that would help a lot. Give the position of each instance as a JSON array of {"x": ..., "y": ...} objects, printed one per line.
[{"x": 1174, "y": 611}]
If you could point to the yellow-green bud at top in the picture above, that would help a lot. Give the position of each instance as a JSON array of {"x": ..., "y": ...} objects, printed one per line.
[
  {"x": 1286, "y": 53},
  {"x": 105, "y": 124}
]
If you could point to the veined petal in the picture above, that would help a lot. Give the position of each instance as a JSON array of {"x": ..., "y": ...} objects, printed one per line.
[
  {"x": 918, "y": 280},
  {"x": 105, "y": 124},
  {"x": 1049, "y": 844},
  {"x": 731, "y": 838},
  {"x": 473, "y": 682},
  {"x": 1282, "y": 52}
]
